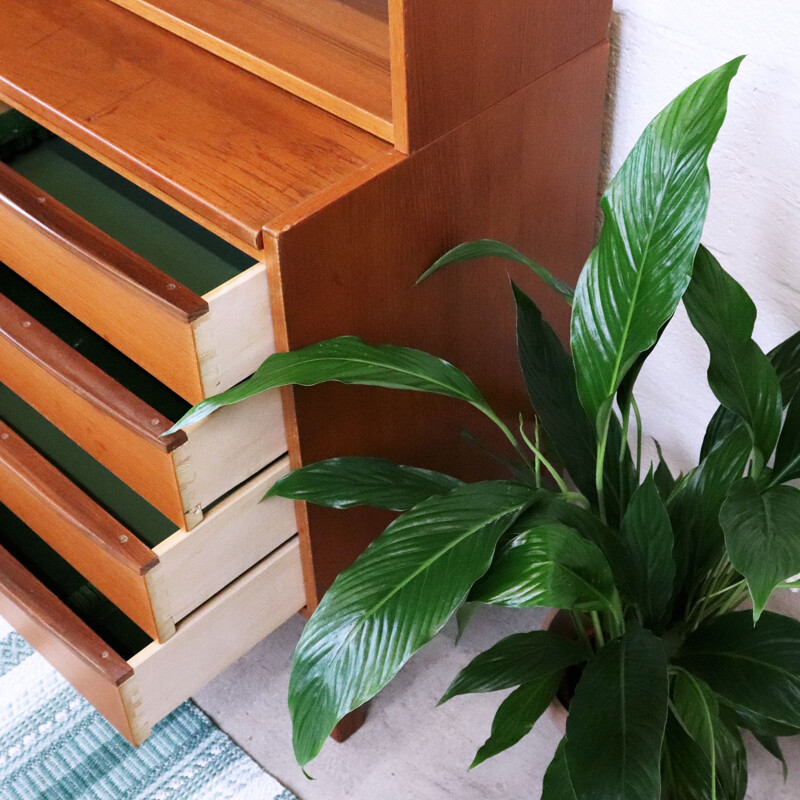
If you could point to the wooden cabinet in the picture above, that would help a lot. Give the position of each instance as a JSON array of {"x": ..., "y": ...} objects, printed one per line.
[{"x": 225, "y": 179}]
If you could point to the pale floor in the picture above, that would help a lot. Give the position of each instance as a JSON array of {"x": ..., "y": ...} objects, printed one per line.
[{"x": 409, "y": 749}]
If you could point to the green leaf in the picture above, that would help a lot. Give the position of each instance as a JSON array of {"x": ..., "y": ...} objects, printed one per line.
[
  {"x": 464, "y": 615},
  {"x": 686, "y": 764},
  {"x": 654, "y": 211},
  {"x": 761, "y": 536},
  {"x": 550, "y": 565},
  {"x": 392, "y": 601},
  {"x": 695, "y": 505},
  {"x": 647, "y": 533},
  {"x": 347, "y": 359},
  {"x": 616, "y": 720},
  {"x": 740, "y": 374},
  {"x": 521, "y": 658},
  {"x": 557, "y": 784},
  {"x": 517, "y": 715},
  {"x": 665, "y": 481},
  {"x": 787, "y": 456},
  {"x": 785, "y": 358},
  {"x": 721, "y": 425},
  {"x": 549, "y": 508},
  {"x": 550, "y": 381},
  {"x": 755, "y": 669},
  {"x": 489, "y": 248},
  {"x": 349, "y": 482},
  {"x": 762, "y": 726}
]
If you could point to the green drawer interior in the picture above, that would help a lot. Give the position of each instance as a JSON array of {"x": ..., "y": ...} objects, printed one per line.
[
  {"x": 91, "y": 346},
  {"x": 99, "y": 613},
  {"x": 136, "y": 514},
  {"x": 175, "y": 244}
]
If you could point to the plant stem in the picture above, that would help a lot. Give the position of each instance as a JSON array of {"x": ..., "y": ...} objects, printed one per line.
[
  {"x": 507, "y": 432},
  {"x": 600, "y": 467},
  {"x": 598, "y": 628},
  {"x": 542, "y": 460},
  {"x": 580, "y": 630},
  {"x": 538, "y": 460}
]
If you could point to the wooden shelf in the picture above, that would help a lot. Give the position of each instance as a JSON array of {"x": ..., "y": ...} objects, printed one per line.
[
  {"x": 223, "y": 146},
  {"x": 334, "y": 53}
]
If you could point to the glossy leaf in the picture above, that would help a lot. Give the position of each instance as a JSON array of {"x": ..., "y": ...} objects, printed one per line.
[
  {"x": 755, "y": 669},
  {"x": 549, "y": 508},
  {"x": 695, "y": 505},
  {"x": 647, "y": 533},
  {"x": 518, "y": 714},
  {"x": 346, "y": 359},
  {"x": 665, "y": 481},
  {"x": 349, "y": 482},
  {"x": 616, "y": 721},
  {"x": 491, "y": 248},
  {"x": 723, "y": 423},
  {"x": 550, "y": 565},
  {"x": 654, "y": 211},
  {"x": 393, "y": 600},
  {"x": 785, "y": 358},
  {"x": 740, "y": 374},
  {"x": 517, "y": 659},
  {"x": 557, "y": 784},
  {"x": 787, "y": 456},
  {"x": 761, "y": 536},
  {"x": 550, "y": 381},
  {"x": 762, "y": 726}
]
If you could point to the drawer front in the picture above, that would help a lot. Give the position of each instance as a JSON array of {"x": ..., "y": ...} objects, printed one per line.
[
  {"x": 197, "y": 346},
  {"x": 156, "y": 587},
  {"x": 134, "y": 695},
  {"x": 179, "y": 476}
]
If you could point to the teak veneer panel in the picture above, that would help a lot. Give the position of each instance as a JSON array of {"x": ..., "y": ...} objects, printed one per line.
[
  {"x": 88, "y": 537},
  {"x": 220, "y": 144},
  {"x": 525, "y": 172},
  {"x": 334, "y": 54},
  {"x": 452, "y": 60}
]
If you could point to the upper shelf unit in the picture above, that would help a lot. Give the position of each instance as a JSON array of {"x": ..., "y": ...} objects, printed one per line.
[
  {"x": 334, "y": 53},
  {"x": 231, "y": 151},
  {"x": 407, "y": 71}
]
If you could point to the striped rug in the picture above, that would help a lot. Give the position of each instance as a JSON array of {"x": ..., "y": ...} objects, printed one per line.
[{"x": 55, "y": 746}]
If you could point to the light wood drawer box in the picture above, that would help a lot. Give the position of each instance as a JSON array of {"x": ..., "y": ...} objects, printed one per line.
[
  {"x": 181, "y": 474},
  {"x": 161, "y": 576},
  {"x": 198, "y": 318},
  {"x": 137, "y": 691}
]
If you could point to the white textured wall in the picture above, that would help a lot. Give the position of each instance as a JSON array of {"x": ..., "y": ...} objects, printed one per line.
[{"x": 660, "y": 46}]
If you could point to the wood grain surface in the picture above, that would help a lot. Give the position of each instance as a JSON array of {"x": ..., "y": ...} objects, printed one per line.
[
  {"x": 452, "y": 60},
  {"x": 526, "y": 172},
  {"x": 73, "y": 648},
  {"x": 112, "y": 424},
  {"x": 122, "y": 297},
  {"x": 332, "y": 53},
  {"x": 220, "y": 144},
  {"x": 105, "y": 552}
]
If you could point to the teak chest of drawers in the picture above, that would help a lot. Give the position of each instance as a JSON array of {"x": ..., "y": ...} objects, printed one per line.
[{"x": 228, "y": 178}]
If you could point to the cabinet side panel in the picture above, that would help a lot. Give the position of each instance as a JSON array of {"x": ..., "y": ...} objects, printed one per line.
[
  {"x": 525, "y": 172},
  {"x": 452, "y": 63}
]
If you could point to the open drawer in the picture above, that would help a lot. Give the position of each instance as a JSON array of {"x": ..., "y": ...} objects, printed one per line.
[
  {"x": 116, "y": 411},
  {"x": 153, "y": 573},
  {"x": 186, "y": 306},
  {"x": 133, "y": 683}
]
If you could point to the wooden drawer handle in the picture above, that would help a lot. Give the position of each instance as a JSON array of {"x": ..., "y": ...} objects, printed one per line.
[{"x": 97, "y": 249}]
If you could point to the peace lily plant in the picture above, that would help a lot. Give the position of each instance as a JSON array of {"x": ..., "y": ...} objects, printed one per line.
[{"x": 649, "y": 567}]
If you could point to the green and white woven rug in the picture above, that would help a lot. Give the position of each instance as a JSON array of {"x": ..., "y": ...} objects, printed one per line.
[{"x": 55, "y": 746}]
